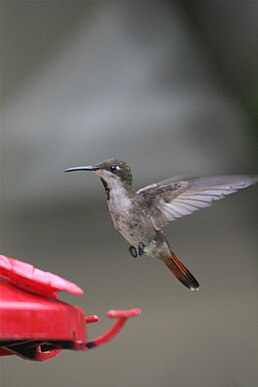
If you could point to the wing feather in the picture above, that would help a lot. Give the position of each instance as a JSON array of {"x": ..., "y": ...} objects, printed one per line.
[{"x": 169, "y": 200}]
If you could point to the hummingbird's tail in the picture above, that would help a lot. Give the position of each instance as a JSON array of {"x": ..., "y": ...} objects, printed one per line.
[{"x": 181, "y": 272}]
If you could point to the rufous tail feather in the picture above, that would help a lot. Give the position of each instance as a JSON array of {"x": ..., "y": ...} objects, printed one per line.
[{"x": 181, "y": 272}]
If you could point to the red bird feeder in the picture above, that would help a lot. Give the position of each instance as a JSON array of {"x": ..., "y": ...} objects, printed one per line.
[{"x": 35, "y": 325}]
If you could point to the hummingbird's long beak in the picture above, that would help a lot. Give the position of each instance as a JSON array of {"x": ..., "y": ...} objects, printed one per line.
[{"x": 82, "y": 168}]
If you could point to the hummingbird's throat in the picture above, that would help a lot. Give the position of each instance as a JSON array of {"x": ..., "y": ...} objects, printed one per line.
[{"x": 107, "y": 189}]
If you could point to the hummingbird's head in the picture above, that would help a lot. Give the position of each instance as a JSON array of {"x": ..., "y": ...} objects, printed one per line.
[
  {"x": 114, "y": 169},
  {"x": 110, "y": 171}
]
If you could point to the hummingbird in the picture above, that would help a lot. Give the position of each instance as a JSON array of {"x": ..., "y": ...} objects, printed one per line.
[{"x": 140, "y": 216}]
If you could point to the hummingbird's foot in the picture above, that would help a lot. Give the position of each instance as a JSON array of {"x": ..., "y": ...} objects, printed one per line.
[
  {"x": 141, "y": 248},
  {"x": 133, "y": 251}
]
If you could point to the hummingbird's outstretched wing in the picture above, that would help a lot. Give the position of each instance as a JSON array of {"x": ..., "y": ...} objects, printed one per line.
[{"x": 169, "y": 199}]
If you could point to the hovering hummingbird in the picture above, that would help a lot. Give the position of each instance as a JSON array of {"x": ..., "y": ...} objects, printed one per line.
[{"x": 141, "y": 216}]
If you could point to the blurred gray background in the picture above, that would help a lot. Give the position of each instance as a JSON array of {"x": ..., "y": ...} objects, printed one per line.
[{"x": 171, "y": 88}]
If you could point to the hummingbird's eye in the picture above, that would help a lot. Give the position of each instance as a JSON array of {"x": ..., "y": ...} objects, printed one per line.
[{"x": 113, "y": 168}]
